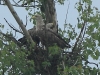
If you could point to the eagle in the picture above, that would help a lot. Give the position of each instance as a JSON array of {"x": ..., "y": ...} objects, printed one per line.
[{"x": 44, "y": 34}]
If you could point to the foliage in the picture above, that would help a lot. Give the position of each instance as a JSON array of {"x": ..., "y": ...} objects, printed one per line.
[
  {"x": 54, "y": 61},
  {"x": 13, "y": 59}
]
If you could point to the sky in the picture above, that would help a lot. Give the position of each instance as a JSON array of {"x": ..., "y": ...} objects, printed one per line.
[{"x": 61, "y": 15}]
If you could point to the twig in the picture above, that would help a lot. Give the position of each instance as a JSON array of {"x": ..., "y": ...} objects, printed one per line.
[
  {"x": 83, "y": 34},
  {"x": 23, "y": 6},
  {"x": 26, "y": 21},
  {"x": 13, "y": 27},
  {"x": 66, "y": 17},
  {"x": 19, "y": 1},
  {"x": 91, "y": 63},
  {"x": 79, "y": 35},
  {"x": 15, "y": 2},
  {"x": 67, "y": 12}
]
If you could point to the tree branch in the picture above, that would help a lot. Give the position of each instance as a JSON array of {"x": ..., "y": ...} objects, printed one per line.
[
  {"x": 13, "y": 27},
  {"x": 22, "y": 5},
  {"x": 79, "y": 35},
  {"x": 12, "y": 38},
  {"x": 20, "y": 23}
]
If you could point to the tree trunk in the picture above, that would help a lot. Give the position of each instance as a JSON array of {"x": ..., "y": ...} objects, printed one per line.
[{"x": 50, "y": 13}]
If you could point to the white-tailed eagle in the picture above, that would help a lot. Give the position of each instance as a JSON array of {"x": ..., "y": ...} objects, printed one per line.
[{"x": 45, "y": 35}]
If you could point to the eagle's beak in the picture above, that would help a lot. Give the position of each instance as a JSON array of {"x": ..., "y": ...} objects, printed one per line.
[{"x": 33, "y": 17}]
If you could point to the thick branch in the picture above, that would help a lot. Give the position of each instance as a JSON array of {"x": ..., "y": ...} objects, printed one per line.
[{"x": 18, "y": 20}]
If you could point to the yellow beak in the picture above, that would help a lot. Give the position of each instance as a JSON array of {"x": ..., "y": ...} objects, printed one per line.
[{"x": 33, "y": 17}]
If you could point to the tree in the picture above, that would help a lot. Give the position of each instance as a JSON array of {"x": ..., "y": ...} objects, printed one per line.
[{"x": 30, "y": 60}]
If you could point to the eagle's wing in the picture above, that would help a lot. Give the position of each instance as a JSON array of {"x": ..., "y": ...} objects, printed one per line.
[{"x": 49, "y": 38}]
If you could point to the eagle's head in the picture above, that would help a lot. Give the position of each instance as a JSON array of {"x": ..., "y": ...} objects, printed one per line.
[
  {"x": 39, "y": 21},
  {"x": 37, "y": 17}
]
